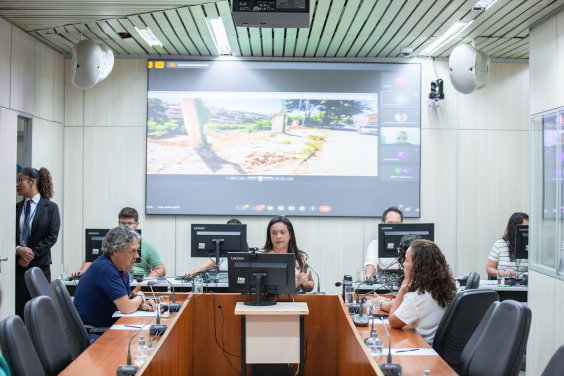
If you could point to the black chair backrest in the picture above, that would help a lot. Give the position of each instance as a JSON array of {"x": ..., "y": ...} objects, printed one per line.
[
  {"x": 18, "y": 349},
  {"x": 473, "y": 281},
  {"x": 470, "y": 347},
  {"x": 501, "y": 347},
  {"x": 37, "y": 283},
  {"x": 556, "y": 365},
  {"x": 462, "y": 317},
  {"x": 76, "y": 333},
  {"x": 47, "y": 335}
]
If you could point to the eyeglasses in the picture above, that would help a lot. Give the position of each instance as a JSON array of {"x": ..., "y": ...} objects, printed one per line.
[
  {"x": 126, "y": 223},
  {"x": 20, "y": 180}
]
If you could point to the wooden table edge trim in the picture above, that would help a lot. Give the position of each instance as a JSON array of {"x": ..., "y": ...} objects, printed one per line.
[
  {"x": 271, "y": 313},
  {"x": 172, "y": 322},
  {"x": 345, "y": 311}
]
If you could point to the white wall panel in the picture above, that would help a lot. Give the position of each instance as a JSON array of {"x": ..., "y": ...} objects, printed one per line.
[
  {"x": 114, "y": 173},
  {"x": 493, "y": 183},
  {"x": 439, "y": 172},
  {"x": 542, "y": 301},
  {"x": 499, "y": 105},
  {"x": 72, "y": 207},
  {"x": 58, "y": 87},
  {"x": 47, "y": 151},
  {"x": 74, "y": 100},
  {"x": 43, "y": 82},
  {"x": 121, "y": 99},
  {"x": 22, "y": 69},
  {"x": 5, "y": 62},
  {"x": 543, "y": 65},
  {"x": 8, "y": 142}
]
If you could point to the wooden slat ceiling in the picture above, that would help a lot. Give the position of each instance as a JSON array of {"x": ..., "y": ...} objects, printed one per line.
[{"x": 339, "y": 28}]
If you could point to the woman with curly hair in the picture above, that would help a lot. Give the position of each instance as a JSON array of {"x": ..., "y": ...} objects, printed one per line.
[
  {"x": 430, "y": 287},
  {"x": 37, "y": 228},
  {"x": 502, "y": 255}
]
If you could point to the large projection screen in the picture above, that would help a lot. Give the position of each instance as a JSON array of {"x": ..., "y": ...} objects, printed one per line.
[{"x": 293, "y": 138}]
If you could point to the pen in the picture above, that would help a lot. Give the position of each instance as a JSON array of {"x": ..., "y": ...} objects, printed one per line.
[
  {"x": 406, "y": 350},
  {"x": 133, "y": 326}
]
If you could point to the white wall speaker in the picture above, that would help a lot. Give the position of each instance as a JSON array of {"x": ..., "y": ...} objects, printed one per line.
[{"x": 469, "y": 69}]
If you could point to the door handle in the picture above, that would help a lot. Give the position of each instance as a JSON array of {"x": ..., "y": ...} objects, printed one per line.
[{"x": 3, "y": 259}]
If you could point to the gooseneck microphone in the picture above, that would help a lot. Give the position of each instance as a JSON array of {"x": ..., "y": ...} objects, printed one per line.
[
  {"x": 158, "y": 327},
  {"x": 389, "y": 368},
  {"x": 318, "y": 286},
  {"x": 173, "y": 307},
  {"x": 130, "y": 370}
]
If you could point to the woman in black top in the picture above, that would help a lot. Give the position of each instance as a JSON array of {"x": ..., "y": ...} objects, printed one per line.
[{"x": 37, "y": 228}]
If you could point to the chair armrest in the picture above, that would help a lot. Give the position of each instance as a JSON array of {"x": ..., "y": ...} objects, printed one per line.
[{"x": 94, "y": 329}]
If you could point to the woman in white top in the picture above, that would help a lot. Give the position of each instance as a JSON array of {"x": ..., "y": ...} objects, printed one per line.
[
  {"x": 373, "y": 263},
  {"x": 430, "y": 288},
  {"x": 280, "y": 238},
  {"x": 502, "y": 255}
]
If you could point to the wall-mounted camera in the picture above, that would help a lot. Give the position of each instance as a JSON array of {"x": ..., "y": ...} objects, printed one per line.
[
  {"x": 406, "y": 52},
  {"x": 436, "y": 93}
]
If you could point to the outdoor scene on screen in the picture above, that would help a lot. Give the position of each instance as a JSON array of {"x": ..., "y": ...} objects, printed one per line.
[
  {"x": 268, "y": 138},
  {"x": 244, "y": 133}
]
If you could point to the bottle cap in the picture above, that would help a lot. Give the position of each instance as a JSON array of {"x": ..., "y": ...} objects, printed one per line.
[{"x": 141, "y": 341}]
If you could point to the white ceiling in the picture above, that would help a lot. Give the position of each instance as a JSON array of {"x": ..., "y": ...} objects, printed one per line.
[{"x": 339, "y": 28}]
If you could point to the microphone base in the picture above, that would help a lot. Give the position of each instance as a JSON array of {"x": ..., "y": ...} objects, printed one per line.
[
  {"x": 320, "y": 293},
  {"x": 359, "y": 320},
  {"x": 354, "y": 308},
  {"x": 174, "y": 307},
  {"x": 127, "y": 370},
  {"x": 390, "y": 369},
  {"x": 157, "y": 328}
]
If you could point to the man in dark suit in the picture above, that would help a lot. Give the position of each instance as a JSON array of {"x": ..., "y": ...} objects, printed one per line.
[{"x": 37, "y": 229}]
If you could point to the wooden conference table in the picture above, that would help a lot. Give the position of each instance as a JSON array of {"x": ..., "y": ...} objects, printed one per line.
[{"x": 188, "y": 347}]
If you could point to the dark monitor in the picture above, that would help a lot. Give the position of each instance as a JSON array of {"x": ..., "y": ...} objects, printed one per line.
[
  {"x": 389, "y": 236},
  {"x": 522, "y": 242},
  {"x": 208, "y": 239},
  {"x": 258, "y": 273},
  {"x": 93, "y": 243}
]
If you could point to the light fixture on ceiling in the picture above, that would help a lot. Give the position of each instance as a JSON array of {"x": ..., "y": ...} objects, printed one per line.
[
  {"x": 149, "y": 37},
  {"x": 452, "y": 32},
  {"x": 484, "y": 4},
  {"x": 219, "y": 35}
]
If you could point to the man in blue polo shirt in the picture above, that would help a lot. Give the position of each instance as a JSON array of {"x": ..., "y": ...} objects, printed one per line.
[{"x": 104, "y": 287}]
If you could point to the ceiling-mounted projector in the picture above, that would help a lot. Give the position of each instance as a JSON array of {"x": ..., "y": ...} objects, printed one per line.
[
  {"x": 90, "y": 64},
  {"x": 469, "y": 69},
  {"x": 271, "y": 13}
]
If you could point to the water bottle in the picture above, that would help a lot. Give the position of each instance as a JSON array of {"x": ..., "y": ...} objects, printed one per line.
[
  {"x": 141, "y": 353},
  {"x": 348, "y": 289},
  {"x": 375, "y": 346}
]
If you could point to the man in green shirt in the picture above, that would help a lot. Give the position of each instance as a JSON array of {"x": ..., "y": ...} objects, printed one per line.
[{"x": 130, "y": 218}]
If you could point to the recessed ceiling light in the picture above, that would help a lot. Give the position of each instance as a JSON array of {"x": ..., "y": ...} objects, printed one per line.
[
  {"x": 149, "y": 37},
  {"x": 452, "y": 32},
  {"x": 483, "y": 4},
  {"x": 219, "y": 35}
]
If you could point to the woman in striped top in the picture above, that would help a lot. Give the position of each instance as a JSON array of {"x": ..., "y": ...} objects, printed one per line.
[{"x": 502, "y": 255}]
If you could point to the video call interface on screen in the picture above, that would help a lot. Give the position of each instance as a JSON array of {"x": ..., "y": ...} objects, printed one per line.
[{"x": 268, "y": 138}]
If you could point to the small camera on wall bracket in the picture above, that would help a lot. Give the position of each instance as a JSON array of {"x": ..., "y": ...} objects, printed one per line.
[{"x": 436, "y": 93}]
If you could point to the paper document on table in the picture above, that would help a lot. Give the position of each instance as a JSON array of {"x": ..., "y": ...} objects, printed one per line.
[
  {"x": 411, "y": 351},
  {"x": 129, "y": 327},
  {"x": 134, "y": 314},
  {"x": 378, "y": 321}
]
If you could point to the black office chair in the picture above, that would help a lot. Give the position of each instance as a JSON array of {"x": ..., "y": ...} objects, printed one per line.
[
  {"x": 18, "y": 349},
  {"x": 76, "y": 332},
  {"x": 462, "y": 317},
  {"x": 47, "y": 335},
  {"x": 556, "y": 365},
  {"x": 37, "y": 283},
  {"x": 501, "y": 347},
  {"x": 473, "y": 281},
  {"x": 470, "y": 347}
]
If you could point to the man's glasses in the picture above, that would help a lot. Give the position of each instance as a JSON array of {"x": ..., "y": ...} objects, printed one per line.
[{"x": 126, "y": 223}]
